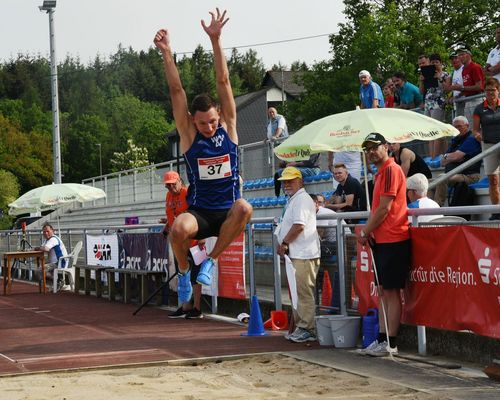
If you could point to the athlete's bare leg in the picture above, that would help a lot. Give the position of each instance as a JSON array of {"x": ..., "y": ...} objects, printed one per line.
[{"x": 184, "y": 229}]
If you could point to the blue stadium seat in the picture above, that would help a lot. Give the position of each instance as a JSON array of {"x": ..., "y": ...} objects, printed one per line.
[
  {"x": 317, "y": 177},
  {"x": 482, "y": 184},
  {"x": 436, "y": 162},
  {"x": 268, "y": 252},
  {"x": 258, "y": 253},
  {"x": 308, "y": 179},
  {"x": 266, "y": 201},
  {"x": 326, "y": 175},
  {"x": 282, "y": 200}
]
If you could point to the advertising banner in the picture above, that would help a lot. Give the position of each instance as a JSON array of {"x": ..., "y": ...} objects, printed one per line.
[
  {"x": 102, "y": 250},
  {"x": 231, "y": 265},
  {"x": 143, "y": 251},
  {"x": 454, "y": 280}
]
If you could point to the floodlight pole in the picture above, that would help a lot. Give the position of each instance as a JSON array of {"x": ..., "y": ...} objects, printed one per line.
[
  {"x": 100, "y": 159},
  {"x": 49, "y": 7}
]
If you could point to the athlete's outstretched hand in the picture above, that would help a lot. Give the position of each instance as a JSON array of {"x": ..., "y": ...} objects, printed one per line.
[
  {"x": 162, "y": 40},
  {"x": 218, "y": 21}
]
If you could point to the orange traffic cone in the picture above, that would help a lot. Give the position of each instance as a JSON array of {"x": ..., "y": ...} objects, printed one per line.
[{"x": 326, "y": 294}]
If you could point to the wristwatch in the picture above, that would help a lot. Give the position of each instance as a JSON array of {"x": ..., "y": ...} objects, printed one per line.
[{"x": 445, "y": 156}]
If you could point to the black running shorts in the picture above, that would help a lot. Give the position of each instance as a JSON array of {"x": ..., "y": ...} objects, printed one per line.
[
  {"x": 392, "y": 261},
  {"x": 209, "y": 221}
]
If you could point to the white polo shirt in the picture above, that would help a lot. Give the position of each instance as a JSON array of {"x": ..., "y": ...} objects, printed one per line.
[
  {"x": 457, "y": 80},
  {"x": 493, "y": 59},
  {"x": 301, "y": 210}
]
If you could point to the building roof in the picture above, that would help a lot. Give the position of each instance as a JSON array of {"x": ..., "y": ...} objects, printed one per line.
[
  {"x": 252, "y": 107},
  {"x": 285, "y": 80}
]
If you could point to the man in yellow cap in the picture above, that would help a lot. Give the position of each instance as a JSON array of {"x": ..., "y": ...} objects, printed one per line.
[{"x": 298, "y": 239}]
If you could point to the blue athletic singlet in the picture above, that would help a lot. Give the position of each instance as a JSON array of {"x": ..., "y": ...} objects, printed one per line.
[{"x": 212, "y": 168}]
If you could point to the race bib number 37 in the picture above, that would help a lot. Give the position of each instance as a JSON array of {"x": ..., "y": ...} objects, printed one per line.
[{"x": 214, "y": 167}]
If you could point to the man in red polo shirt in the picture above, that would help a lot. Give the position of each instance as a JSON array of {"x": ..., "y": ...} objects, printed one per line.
[
  {"x": 387, "y": 231},
  {"x": 473, "y": 81}
]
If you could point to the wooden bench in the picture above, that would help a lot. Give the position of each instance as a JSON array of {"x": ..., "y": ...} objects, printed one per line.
[
  {"x": 143, "y": 278},
  {"x": 87, "y": 281}
]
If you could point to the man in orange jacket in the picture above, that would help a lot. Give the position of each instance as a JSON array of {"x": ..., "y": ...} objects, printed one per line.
[{"x": 176, "y": 204}]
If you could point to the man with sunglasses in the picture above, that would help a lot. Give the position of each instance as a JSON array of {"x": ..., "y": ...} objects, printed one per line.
[{"x": 387, "y": 231}]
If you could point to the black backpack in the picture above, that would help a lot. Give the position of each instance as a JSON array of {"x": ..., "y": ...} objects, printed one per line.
[{"x": 462, "y": 195}]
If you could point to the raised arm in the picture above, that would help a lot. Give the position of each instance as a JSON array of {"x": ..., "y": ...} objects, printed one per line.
[
  {"x": 223, "y": 84},
  {"x": 184, "y": 125}
]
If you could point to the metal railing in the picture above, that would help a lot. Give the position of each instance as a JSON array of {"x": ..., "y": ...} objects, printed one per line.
[{"x": 9, "y": 240}]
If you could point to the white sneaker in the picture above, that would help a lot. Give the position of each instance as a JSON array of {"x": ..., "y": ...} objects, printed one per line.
[
  {"x": 382, "y": 350},
  {"x": 371, "y": 346},
  {"x": 296, "y": 332},
  {"x": 304, "y": 336}
]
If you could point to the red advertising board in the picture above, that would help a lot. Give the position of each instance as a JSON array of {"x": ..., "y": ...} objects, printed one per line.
[
  {"x": 454, "y": 281},
  {"x": 231, "y": 265},
  {"x": 364, "y": 284}
]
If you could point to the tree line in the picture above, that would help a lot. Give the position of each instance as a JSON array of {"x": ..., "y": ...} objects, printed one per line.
[
  {"x": 121, "y": 104},
  {"x": 386, "y": 36},
  {"x": 116, "y": 106}
]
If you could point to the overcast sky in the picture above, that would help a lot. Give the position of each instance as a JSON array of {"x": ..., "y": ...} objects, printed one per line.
[{"x": 86, "y": 28}]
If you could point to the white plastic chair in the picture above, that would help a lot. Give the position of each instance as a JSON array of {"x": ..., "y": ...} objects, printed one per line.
[{"x": 69, "y": 269}]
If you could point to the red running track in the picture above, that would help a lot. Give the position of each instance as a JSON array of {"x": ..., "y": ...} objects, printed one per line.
[{"x": 44, "y": 332}]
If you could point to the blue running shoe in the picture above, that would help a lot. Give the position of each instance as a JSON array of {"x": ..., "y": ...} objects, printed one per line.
[
  {"x": 184, "y": 288},
  {"x": 205, "y": 275}
]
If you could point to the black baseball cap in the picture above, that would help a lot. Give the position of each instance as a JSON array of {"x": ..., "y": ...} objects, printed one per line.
[{"x": 374, "y": 138}]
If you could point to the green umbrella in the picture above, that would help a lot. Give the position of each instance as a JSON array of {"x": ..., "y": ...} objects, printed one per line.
[
  {"x": 53, "y": 196},
  {"x": 346, "y": 131}
]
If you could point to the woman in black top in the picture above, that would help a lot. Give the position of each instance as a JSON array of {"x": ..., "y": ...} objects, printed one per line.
[{"x": 410, "y": 162}]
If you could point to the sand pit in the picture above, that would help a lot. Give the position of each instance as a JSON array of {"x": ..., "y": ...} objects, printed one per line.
[{"x": 269, "y": 376}]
